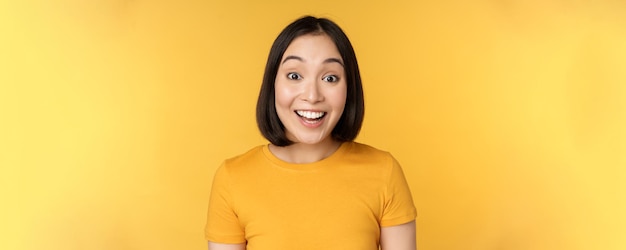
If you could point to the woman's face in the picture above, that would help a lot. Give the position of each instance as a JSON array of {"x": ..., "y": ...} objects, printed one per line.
[{"x": 310, "y": 89}]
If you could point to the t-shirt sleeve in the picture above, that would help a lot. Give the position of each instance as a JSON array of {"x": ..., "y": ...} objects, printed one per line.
[
  {"x": 399, "y": 207},
  {"x": 222, "y": 223}
]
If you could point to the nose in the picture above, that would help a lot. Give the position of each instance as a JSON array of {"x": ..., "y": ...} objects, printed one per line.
[{"x": 312, "y": 92}]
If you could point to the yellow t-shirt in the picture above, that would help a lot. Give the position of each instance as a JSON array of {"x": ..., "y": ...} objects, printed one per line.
[{"x": 337, "y": 203}]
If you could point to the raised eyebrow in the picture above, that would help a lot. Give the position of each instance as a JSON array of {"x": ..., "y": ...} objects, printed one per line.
[
  {"x": 332, "y": 59},
  {"x": 292, "y": 58},
  {"x": 329, "y": 60}
]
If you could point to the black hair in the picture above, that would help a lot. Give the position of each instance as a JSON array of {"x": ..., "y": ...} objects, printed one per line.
[{"x": 349, "y": 125}]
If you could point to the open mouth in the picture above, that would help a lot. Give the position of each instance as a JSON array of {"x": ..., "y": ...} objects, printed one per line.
[{"x": 310, "y": 116}]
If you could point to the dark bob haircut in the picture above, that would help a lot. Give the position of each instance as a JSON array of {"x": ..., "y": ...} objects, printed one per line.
[{"x": 349, "y": 124}]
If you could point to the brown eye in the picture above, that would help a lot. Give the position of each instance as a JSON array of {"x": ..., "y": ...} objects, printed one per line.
[
  {"x": 293, "y": 76},
  {"x": 331, "y": 78}
]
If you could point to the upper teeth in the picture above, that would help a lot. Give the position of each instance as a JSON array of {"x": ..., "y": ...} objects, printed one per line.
[{"x": 310, "y": 114}]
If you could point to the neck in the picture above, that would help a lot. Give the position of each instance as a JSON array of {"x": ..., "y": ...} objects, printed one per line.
[{"x": 305, "y": 153}]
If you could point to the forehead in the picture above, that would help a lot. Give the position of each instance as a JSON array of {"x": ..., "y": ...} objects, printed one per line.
[{"x": 313, "y": 47}]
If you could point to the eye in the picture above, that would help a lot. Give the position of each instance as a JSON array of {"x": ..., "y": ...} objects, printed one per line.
[
  {"x": 331, "y": 78},
  {"x": 293, "y": 76}
]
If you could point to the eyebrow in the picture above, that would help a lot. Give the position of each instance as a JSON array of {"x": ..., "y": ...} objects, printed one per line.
[
  {"x": 329, "y": 60},
  {"x": 332, "y": 59}
]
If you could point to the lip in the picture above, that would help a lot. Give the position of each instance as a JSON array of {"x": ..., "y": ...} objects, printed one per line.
[
  {"x": 308, "y": 124},
  {"x": 311, "y": 110}
]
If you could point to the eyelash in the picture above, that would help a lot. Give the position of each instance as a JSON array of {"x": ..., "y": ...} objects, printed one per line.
[
  {"x": 336, "y": 78},
  {"x": 290, "y": 76},
  {"x": 296, "y": 76}
]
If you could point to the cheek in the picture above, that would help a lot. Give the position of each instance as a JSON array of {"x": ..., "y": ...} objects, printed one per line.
[
  {"x": 280, "y": 95},
  {"x": 339, "y": 98},
  {"x": 283, "y": 98}
]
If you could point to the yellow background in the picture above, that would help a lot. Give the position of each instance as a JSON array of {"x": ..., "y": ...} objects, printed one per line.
[{"x": 509, "y": 117}]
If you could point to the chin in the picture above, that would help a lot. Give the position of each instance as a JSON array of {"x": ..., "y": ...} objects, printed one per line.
[
  {"x": 308, "y": 142},
  {"x": 313, "y": 141}
]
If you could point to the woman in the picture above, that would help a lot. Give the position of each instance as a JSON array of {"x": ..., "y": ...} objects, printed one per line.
[{"x": 312, "y": 187}]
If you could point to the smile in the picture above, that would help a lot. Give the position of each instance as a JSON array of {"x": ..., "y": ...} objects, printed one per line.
[{"x": 310, "y": 116}]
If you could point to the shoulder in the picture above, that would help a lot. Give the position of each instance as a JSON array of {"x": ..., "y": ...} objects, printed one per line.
[
  {"x": 362, "y": 147},
  {"x": 248, "y": 155},
  {"x": 370, "y": 152},
  {"x": 369, "y": 155},
  {"x": 251, "y": 157}
]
